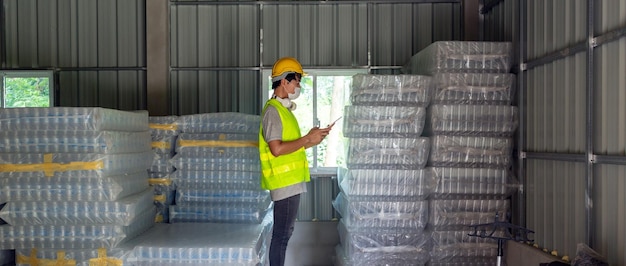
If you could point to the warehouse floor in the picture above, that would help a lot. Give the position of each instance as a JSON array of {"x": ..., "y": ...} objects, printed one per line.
[{"x": 312, "y": 244}]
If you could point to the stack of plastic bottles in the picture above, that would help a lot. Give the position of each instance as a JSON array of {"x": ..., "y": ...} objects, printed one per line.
[
  {"x": 471, "y": 123},
  {"x": 218, "y": 170},
  {"x": 164, "y": 131},
  {"x": 221, "y": 216},
  {"x": 383, "y": 192},
  {"x": 75, "y": 182}
]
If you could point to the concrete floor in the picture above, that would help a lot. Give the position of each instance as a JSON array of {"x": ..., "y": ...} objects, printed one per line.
[{"x": 312, "y": 244}]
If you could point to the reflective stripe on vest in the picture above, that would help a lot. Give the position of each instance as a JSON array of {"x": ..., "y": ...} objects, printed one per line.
[{"x": 287, "y": 169}]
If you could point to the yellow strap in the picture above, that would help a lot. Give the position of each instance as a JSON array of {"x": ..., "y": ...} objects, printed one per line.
[
  {"x": 218, "y": 143},
  {"x": 49, "y": 168},
  {"x": 103, "y": 260},
  {"x": 158, "y": 218},
  {"x": 160, "y": 181},
  {"x": 161, "y": 145},
  {"x": 159, "y": 198},
  {"x": 62, "y": 261},
  {"x": 32, "y": 260},
  {"x": 163, "y": 126}
]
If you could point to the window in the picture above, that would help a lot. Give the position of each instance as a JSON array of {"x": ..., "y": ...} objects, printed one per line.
[
  {"x": 26, "y": 89},
  {"x": 324, "y": 95}
]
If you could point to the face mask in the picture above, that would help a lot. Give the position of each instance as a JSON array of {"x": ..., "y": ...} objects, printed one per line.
[{"x": 295, "y": 95}]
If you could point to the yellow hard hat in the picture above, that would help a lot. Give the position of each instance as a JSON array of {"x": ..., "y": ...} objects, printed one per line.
[{"x": 284, "y": 66}]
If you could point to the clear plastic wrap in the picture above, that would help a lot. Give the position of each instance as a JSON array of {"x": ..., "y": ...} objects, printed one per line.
[
  {"x": 397, "y": 215},
  {"x": 388, "y": 153},
  {"x": 467, "y": 251},
  {"x": 71, "y": 186},
  {"x": 490, "y": 182},
  {"x": 72, "y": 118},
  {"x": 374, "y": 184},
  {"x": 162, "y": 163},
  {"x": 163, "y": 125},
  {"x": 371, "y": 240},
  {"x": 225, "y": 122},
  {"x": 229, "y": 212},
  {"x": 462, "y": 56},
  {"x": 470, "y": 151},
  {"x": 219, "y": 143},
  {"x": 473, "y": 88},
  {"x": 164, "y": 144},
  {"x": 471, "y": 120},
  {"x": 209, "y": 244},
  {"x": 464, "y": 261},
  {"x": 460, "y": 213},
  {"x": 454, "y": 237},
  {"x": 50, "y": 141},
  {"x": 164, "y": 190},
  {"x": 120, "y": 212},
  {"x": 395, "y": 256},
  {"x": 404, "y": 90},
  {"x": 190, "y": 194},
  {"x": 458, "y": 246},
  {"x": 202, "y": 162},
  {"x": 73, "y": 236},
  {"x": 383, "y": 121},
  {"x": 238, "y": 180},
  {"x": 50, "y": 164}
]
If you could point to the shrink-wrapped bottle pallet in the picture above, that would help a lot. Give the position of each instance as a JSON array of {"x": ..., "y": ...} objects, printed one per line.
[
  {"x": 473, "y": 88},
  {"x": 74, "y": 177},
  {"x": 72, "y": 118},
  {"x": 75, "y": 185},
  {"x": 198, "y": 162},
  {"x": 471, "y": 120},
  {"x": 237, "y": 180},
  {"x": 391, "y": 90},
  {"x": 470, "y": 151},
  {"x": 243, "y": 145},
  {"x": 164, "y": 134},
  {"x": 74, "y": 236},
  {"x": 203, "y": 244},
  {"x": 225, "y": 122},
  {"x": 374, "y": 184},
  {"x": 462, "y": 56},
  {"x": 220, "y": 212},
  {"x": 457, "y": 245},
  {"x": 387, "y": 153},
  {"x": 383, "y": 121},
  {"x": 458, "y": 214},
  {"x": 355, "y": 240},
  {"x": 411, "y": 215},
  {"x": 76, "y": 141},
  {"x": 398, "y": 256},
  {"x": 121, "y": 212},
  {"x": 455, "y": 182}
]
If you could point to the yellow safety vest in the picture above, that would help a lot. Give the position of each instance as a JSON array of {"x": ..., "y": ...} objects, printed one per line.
[{"x": 288, "y": 169}]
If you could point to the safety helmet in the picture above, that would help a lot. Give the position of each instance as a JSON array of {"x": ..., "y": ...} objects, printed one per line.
[{"x": 284, "y": 66}]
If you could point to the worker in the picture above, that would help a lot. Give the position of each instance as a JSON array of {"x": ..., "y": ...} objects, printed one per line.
[{"x": 284, "y": 166}]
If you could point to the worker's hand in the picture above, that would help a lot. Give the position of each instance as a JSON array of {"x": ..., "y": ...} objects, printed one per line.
[{"x": 317, "y": 135}]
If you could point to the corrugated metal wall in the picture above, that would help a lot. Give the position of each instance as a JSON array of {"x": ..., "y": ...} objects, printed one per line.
[
  {"x": 96, "y": 48},
  {"x": 218, "y": 49},
  {"x": 572, "y": 142}
]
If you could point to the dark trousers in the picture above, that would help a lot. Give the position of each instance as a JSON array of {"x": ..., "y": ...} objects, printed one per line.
[{"x": 285, "y": 213}]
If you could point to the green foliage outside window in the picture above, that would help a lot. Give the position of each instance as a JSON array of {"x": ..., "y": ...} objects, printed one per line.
[{"x": 26, "y": 92}]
